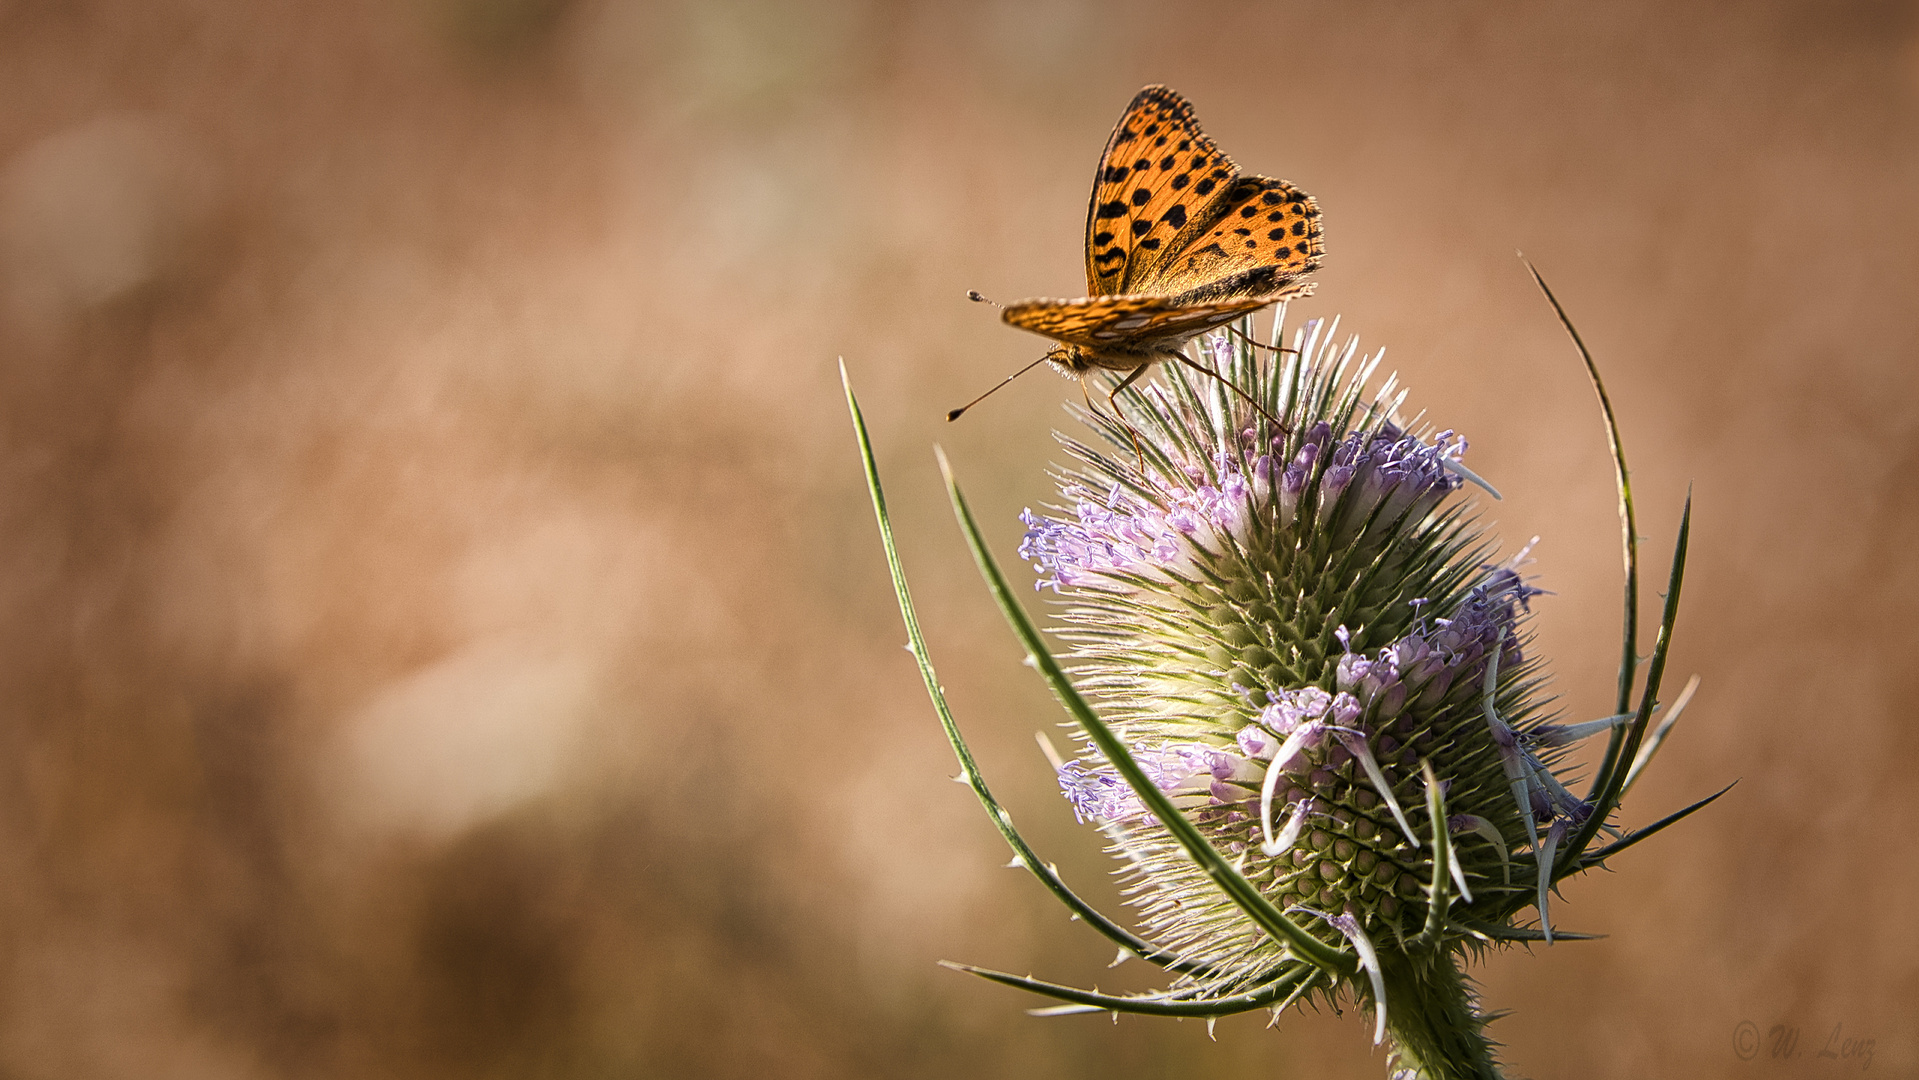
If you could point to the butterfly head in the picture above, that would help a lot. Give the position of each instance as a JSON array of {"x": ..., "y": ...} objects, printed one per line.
[{"x": 1070, "y": 360}]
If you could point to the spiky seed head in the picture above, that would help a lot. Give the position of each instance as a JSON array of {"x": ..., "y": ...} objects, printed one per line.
[{"x": 1283, "y": 623}]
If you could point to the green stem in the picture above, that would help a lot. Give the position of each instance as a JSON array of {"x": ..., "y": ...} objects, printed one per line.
[{"x": 1436, "y": 1030}]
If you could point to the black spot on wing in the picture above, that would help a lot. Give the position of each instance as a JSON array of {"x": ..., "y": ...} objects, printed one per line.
[
  {"x": 1176, "y": 217},
  {"x": 1113, "y": 209}
]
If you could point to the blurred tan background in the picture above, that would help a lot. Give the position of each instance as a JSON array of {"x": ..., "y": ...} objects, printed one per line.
[{"x": 442, "y": 632}]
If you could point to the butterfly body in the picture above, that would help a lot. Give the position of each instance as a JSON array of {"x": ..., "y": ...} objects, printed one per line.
[
  {"x": 1121, "y": 333},
  {"x": 1178, "y": 242}
]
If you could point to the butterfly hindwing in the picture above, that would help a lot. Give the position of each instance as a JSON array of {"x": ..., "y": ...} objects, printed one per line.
[
  {"x": 1159, "y": 177},
  {"x": 1266, "y": 237},
  {"x": 1125, "y": 322}
]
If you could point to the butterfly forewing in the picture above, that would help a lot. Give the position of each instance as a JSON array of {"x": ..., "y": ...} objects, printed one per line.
[
  {"x": 1109, "y": 322},
  {"x": 1158, "y": 179}
]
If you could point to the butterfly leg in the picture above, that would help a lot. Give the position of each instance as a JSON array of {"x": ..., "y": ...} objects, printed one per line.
[
  {"x": 1131, "y": 377},
  {"x": 1241, "y": 335},
  {"x": 1230, "y": 385},
  {"x": 1112, "y": 401}
]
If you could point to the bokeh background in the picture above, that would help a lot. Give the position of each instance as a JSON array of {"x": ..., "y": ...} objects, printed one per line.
[{"x": 442, "y": 632}]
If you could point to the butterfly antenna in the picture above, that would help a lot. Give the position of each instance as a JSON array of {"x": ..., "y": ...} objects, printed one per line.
[
  {"x": 975, "y": 297},
  {"x": 955, "y": 414}
]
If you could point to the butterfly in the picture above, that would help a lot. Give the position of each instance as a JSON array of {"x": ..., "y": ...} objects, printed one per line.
[{"x": 1178, "y": 242}]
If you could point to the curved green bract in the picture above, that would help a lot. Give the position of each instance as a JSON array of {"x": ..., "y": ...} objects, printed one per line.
[
  {"x": 1003, "y": 821},
  {"x": 1623, "y": 744},
  {"x": 1500, "y": 932},
  {"x": 1440, "y": 900},
  {"x": 1612, "y": 849},
  {"x": 1608, "y": 796},
  {"x": 1629, "y": 655},
  {"x": 1279, "y": 992},
  {"x": 1230, "y": 882}
]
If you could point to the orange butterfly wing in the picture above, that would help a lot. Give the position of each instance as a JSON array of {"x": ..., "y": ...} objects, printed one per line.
[
  {"x": 1126, "y": 322},
  {"x": 1266, "y": 239},
  {"x": 1171, "y": 214},
  {"x": 1158, "y": 177}
]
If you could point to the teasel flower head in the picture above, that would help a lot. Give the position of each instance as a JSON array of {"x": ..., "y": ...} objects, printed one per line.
[{"x": 1308, "y": 716}]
